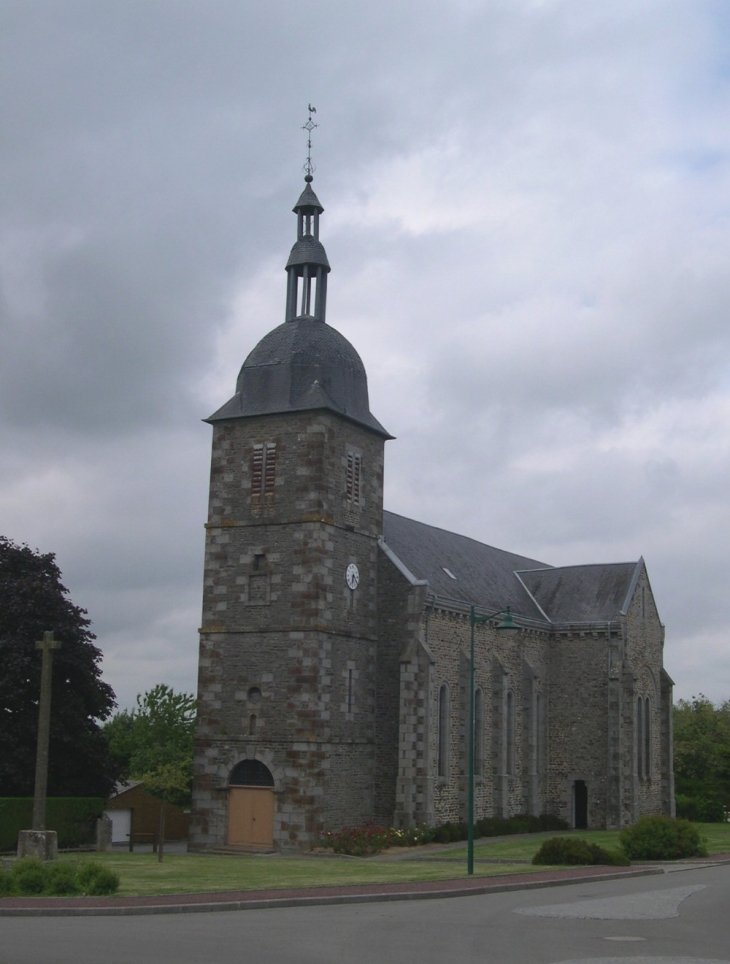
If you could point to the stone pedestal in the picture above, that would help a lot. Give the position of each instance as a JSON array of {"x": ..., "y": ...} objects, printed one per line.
[
  {"x": 38, "y": 843},
  {"x": 104, "y": 833}
]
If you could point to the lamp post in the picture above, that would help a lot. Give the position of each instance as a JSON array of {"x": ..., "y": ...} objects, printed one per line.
[{"x": 508, "y": 628}]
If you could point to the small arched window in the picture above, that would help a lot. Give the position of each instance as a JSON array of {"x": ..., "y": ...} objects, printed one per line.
[
  {"x": 443, "y": 731},
  {"x": 478, "y": 733},
  {"x": 510, "y": 726}
]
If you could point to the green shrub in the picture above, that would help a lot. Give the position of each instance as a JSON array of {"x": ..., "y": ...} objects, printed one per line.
[
  {"x": 549, "y": 821},
  {"x": 662, "y": 838},
  {"x": 61, "y": 879},
  {"x": 73, "y": 819},
  {"x": 29, "y": 876},
  {"x": 700, "y": 809},
  {"x": 450, "y": 832},
  {"x": 96, "y": 880},
  {"x": 574, "y": 851}
]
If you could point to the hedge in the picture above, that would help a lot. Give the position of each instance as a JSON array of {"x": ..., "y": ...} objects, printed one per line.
[{"x": 73, "y": 819}]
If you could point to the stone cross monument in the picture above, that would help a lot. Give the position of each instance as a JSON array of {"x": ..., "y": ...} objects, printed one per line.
[{"x": 40, "y": 842}]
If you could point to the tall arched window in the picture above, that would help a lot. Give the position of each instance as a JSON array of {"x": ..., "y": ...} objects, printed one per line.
[
  {"x": 538, "y": 733},
  {"x": 510, "y": 726},
  {"x": 478, "y": 733},
  {"x": 647, "y": 738},
  {"x": 443, "y": 731},
  {"x": 640, "y": 738}
]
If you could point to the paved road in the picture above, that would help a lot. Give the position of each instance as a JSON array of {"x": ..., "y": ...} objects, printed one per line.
[{"x": 678, "y": 918}]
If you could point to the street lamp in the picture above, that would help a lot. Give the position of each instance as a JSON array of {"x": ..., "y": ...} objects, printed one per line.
[{"x": 508, "y": 628}]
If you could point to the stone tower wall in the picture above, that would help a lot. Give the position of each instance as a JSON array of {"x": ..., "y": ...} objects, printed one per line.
[{"x": 287, "y": 670}]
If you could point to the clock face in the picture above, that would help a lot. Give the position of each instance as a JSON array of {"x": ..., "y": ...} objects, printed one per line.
[{"x": 352, "y": 576}]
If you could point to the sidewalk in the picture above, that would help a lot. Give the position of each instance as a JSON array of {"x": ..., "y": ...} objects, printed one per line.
[{"x": 313, "y": 896}]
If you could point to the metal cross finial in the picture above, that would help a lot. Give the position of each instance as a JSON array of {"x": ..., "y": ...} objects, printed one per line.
[{"x": 309, "y": 168}]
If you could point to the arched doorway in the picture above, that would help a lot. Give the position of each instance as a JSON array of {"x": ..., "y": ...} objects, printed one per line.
[
  {"x": 251, "y": 805},
  {"x": 580, "y": 805}
]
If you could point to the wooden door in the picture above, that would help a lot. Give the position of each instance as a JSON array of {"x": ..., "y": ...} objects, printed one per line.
[{"x": 251, "y": 817}]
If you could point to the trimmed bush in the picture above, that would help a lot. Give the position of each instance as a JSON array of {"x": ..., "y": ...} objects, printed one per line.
[
  {"x": 699, "y": 809},
  {"x": 6, "y": 882},
  {"x": 61, "y": 879},
  {"x": 662, "y": 838},
  {"x": 574, "y": 851},
  {"x": 29, "y": 876},
  {"x": 368, "y": 839},
  {"x": 549, "y": 821},
  {"x": 73, "y": 819},
  {"x": 96, "y": 880}
]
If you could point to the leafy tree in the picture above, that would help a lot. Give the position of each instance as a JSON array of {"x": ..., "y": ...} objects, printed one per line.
[
  {"x": 154, "y": 742},
  {"x": 33, "y": 601},
  {"x": 702, "y": 758}
]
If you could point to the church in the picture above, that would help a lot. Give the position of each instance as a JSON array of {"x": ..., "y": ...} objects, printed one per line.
[{"x": 358, "y": 666}]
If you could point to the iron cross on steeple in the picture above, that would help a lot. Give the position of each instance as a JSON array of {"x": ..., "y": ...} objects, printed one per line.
[{"x": 309, "y": 168}]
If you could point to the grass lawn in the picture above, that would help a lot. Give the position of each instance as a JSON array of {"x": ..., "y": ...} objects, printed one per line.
[
  {"x": 189, "y": 873},
  {"x": 526, "y": 846},
  {"x": 194, "y": 873}
]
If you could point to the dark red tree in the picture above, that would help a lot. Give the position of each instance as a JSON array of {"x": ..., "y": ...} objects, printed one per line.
[{"x": 33, "y": 601}]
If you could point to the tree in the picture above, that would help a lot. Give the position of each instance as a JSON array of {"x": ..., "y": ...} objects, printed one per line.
[
  {"x": 32, "y": 601},
  {"x": 702, "y": 758},
  {"x": 154, "y": 742}
]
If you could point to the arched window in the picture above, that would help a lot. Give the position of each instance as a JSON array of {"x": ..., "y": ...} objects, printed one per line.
[
  {"x": 443, "y": 731},
  {"x": 478, "y": 733},
  {"x": 640, "y": 738},
  {"x": 510, "y": 726},
  {"x": 647, "y": 738},
  {"x": 538, "y": 733},
  {"x": 251, "y": 773}
]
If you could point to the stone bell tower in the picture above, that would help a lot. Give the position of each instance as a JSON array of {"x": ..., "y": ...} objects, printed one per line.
[{"x": 285, "y": 742}]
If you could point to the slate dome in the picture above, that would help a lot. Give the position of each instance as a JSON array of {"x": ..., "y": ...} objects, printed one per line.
[{"x": 304, "y": 364}]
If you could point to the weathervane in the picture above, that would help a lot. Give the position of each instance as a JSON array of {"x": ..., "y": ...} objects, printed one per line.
[{"x": 309, "y": 168}]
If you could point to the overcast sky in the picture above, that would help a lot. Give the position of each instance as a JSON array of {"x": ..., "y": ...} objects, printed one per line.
[{"x": 527, "y": 213}]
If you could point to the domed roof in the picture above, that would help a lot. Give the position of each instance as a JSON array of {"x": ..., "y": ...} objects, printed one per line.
[{"x": 303, "y": 364}]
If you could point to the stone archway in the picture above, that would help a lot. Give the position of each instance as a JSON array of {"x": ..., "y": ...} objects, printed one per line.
[{"x": 251, "y": 806}]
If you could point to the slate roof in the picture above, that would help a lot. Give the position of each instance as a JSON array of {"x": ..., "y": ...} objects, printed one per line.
[
  {"x": 592, "y": 593},
  {"x": 484, "y": 575},
  {"x": 308, "y": 199},
  {"x": 494, "y": 579},
  {"x": 303, "y": 364},
  {"x": 307, "y": 250}
]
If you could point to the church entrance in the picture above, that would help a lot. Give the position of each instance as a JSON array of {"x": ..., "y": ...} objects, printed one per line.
[
  {"x": 580, "y": 805},
  {"x": 251, "y": 806}
]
